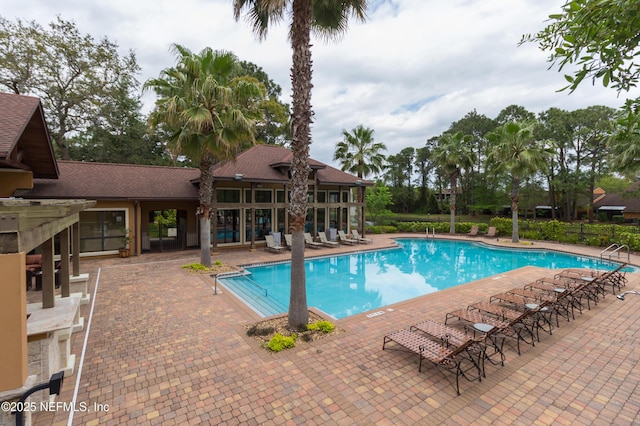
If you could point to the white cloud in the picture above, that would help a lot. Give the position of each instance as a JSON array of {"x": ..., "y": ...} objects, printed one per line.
[{"x": 408, "y": 72}]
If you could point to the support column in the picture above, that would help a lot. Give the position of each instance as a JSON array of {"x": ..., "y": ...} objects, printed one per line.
[
  {"x": 63, "y": 272},
  {"x": 214, "y": 219},
  {"x": 78, "y": 282},
  {"x": 253, "y": 217},
  {"x": 48, "y": 281},
  {"x": 75, "y": 248},
  {"x": 13, "y": 317},
  {"x": 362, "y": 209}
]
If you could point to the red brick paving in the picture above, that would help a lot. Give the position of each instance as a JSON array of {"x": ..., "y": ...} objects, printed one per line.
[{"x": 163, "y": 349}]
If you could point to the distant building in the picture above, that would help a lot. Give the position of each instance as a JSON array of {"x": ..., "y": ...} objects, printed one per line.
[{"x": 626, "y": 204}]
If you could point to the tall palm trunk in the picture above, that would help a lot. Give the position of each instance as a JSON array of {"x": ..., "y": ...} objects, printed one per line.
[
  {"x": 515, "y": 200},
  {"x": 300, "y": 122},
  {"x": 204, "y": 210},
  {"x": 452, "y": 205}
]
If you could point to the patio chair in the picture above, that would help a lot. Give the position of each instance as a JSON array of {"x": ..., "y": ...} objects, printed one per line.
[
  {"x": 491, "y": 232},
  {"x": 287, "y": 240},
  {"x": 474, "y": 231},
  {"x": 440, "y": 353},
  {"x": 308, "y": 241},
  {"x": 325, "y": 242},
  {"x": 356, "y": 236},
  {"x": 346, "y": 240},
  {"x": 272, "y": 246}
]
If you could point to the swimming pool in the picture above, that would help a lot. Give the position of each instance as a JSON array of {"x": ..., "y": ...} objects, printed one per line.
[{"x": 348, "y": 284}]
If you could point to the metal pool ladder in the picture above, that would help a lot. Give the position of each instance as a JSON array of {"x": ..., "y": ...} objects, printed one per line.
[{"x": 613, "y": 249}]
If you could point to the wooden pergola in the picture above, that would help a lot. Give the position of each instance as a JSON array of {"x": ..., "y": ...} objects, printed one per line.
[{"x": 28, "y": 224}]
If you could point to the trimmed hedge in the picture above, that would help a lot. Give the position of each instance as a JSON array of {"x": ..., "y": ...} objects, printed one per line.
[{"x": 587, "y": 234}]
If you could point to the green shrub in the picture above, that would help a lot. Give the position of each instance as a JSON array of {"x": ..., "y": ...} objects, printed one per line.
[
  {"x": 196, "y": 267},
  {"x": 630, "y": 239},
  {"x": 553, "y": 230},
  {"x": 532, "y": 235},
  {"x": 378, "y": 229},
  {"x": 503, "y": 225},
  {"x": 324, "y": 326},
  {"x": 279, "y": 342}
]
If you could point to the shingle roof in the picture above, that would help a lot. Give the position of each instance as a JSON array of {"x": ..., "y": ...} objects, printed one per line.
[
  {"x": 24, "y": 137},
  {"x": 270, "y": 163},
  {"x": 628, "y": 198},
  {"x": 104, "y": 181},
  {"x": 117, "y": 181}
]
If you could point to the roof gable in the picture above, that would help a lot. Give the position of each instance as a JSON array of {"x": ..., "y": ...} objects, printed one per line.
[
  {"x": 24, "y": 137},
  {"x": 270, "y": 163},
  {"x": 628, "y": 199}
]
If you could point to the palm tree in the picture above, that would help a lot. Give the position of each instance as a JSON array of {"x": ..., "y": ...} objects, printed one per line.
[
  {"x": 516, "y": 152},
  {"x": 209, "y": 117},
  {"x": 329, "y": 19},
  {"x": 359, "y": 154},
  {"x": 454, "y": 154}
]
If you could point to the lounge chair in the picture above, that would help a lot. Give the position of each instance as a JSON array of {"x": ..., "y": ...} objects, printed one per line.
[
  {"x": 438, "y": 352},
  {"x": 325, "y": 242},
  {"x": 308, "y": 241},
  {"x": 272, "y": 246},
  {"x": 356, "y": 236},
  {"x": 615, "y": 278},
  {"x": 287, "y": 239},
  {"x": 454, "y": 337},
  {"x": 529, "y": 303},
  {"x": 346, "y": 240},
  {"x": 512, "y": 329},
  {"x": 474, "y": 231},
  {"x": 491, "y": 232}
]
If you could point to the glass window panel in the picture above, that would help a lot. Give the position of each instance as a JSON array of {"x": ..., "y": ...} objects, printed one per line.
[
  {"x": 228, "y": 195},
  {"x": 263, "y": 196}
]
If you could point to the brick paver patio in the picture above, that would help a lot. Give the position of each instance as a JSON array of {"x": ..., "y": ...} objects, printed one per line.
[{"x": 162, "y": 348}]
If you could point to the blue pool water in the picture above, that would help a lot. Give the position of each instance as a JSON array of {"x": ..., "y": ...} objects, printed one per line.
[{"x": 349, "y": 284}]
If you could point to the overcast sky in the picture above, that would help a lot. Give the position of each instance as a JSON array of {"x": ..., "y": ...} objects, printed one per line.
[{"x": 411, "y": 70}]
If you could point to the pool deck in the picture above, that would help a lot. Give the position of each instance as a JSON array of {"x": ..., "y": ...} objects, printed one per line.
[{"x": 162, "y": 348}]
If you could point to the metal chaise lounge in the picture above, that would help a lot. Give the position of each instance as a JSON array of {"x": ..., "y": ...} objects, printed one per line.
[
  {"x": 557, "y": 301},
  {"x": 522, "y": 324},
  {"x": 325, "y": 241},
  {"x": 615, "y": 278},
  {"x": 492, "y": 328},
  {"x": 579, "y": 288},
  {"x": 346, "y": 240},
  {"x": 537, "y": 306},
  {"x": 356, "y": 236},
  {"x": 440, "y": 353},
  {"x": 308, "y": 241},
  {"x": 570, "y": 295},
  {"x": 474, "y": 231},
  {"x": 454, "y": 337}
]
